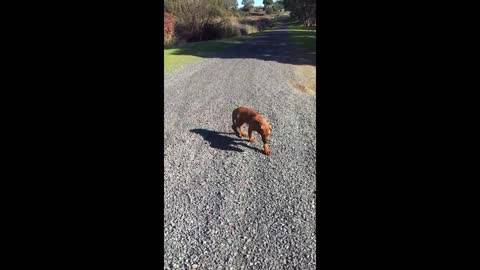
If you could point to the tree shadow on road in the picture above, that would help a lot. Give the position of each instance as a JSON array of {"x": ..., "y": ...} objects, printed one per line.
[
  {"x": 222, "y": 142},
  {"x": 266, "y": 46}
]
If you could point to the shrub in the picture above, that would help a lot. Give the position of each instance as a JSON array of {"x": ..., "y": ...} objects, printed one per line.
[
  {"x": 230, "y": 27},
  {"x": 259, "y": 9},
  {"x": 269, "y": 10},
  {"x": 212, "y": 31},
  {"x": 242, "y": 13},
  {"x": 246, "y": 29},
  {"x": 168, "y": 28}
]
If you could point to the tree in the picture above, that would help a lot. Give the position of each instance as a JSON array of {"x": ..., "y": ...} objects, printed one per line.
[
  {"x": 269, "y": 10},
  {"x": 277, "y": 6},
  {"x": 247, "y": 4},
  {"x": 267, "y": 3},
  {"x": 304, "y": 10}
]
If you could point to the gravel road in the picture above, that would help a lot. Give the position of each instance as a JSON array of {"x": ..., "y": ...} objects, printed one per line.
[{"x": 227, "y": 205}]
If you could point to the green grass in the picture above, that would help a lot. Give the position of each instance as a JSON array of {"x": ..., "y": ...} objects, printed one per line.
[
  {"x": 173, "y": 61},
  {"x": 302, "y": 36},
  {"x": 193, "y": 52}
]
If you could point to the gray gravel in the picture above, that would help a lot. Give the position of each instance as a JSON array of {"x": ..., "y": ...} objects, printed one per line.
[{"x": 227, "y": 205}]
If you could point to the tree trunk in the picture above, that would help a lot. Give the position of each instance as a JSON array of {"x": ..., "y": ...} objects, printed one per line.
[{"x": 193, "y": 25}]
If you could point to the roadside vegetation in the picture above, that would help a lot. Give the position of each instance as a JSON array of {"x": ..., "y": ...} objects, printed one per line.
[
  {"x": 187, "y": 21},
  {"x": 201, "y": 28}
]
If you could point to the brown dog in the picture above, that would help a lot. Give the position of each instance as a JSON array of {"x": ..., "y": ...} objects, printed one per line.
[{"x": 255, "y": 122}]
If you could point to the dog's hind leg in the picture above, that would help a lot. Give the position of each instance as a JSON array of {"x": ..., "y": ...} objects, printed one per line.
[{"x": 250, "y": 134}]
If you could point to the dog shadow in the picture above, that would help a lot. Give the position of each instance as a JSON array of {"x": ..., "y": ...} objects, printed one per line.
[{"x": 222, "y": 142}]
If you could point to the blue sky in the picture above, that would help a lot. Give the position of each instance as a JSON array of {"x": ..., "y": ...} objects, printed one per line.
[{"x": 257, "y": 3}]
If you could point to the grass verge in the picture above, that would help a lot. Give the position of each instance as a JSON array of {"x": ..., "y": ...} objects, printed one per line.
[
  {"x": 193, "y": 52},
  {"x": 302, "y": 36},
  {"x": 305, "y": 75}
]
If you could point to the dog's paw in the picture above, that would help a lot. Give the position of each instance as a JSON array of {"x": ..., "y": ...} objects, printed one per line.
[
  {"x": 244, "y": 134},
  {"x": 266, "y": 149}
]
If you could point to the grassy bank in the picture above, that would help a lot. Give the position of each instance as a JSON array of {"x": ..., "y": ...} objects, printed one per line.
[
  {"x": 303, "y": 37},
  {"x": 192, "y": 52},
  {"x": 305, "y": 75}
]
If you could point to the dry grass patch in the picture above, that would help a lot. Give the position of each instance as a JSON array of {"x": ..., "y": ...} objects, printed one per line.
[{"x": 305, "y": 79}]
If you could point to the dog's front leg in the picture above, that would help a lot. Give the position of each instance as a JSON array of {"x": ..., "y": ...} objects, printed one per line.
[
  {"x": 242, "y": 132},
  {"x": 236, "y": 131},
  {"x": 266, "y": 148}
]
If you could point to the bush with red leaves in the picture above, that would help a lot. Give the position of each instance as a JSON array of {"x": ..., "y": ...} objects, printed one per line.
[{"x": 168, "y": 28}]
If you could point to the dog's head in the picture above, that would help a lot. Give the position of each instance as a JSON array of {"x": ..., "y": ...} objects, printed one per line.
[{"x": 266, "y": 130}]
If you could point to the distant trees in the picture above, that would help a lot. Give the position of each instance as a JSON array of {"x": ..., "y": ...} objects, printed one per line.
[{"x": 304, "y": 10}]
